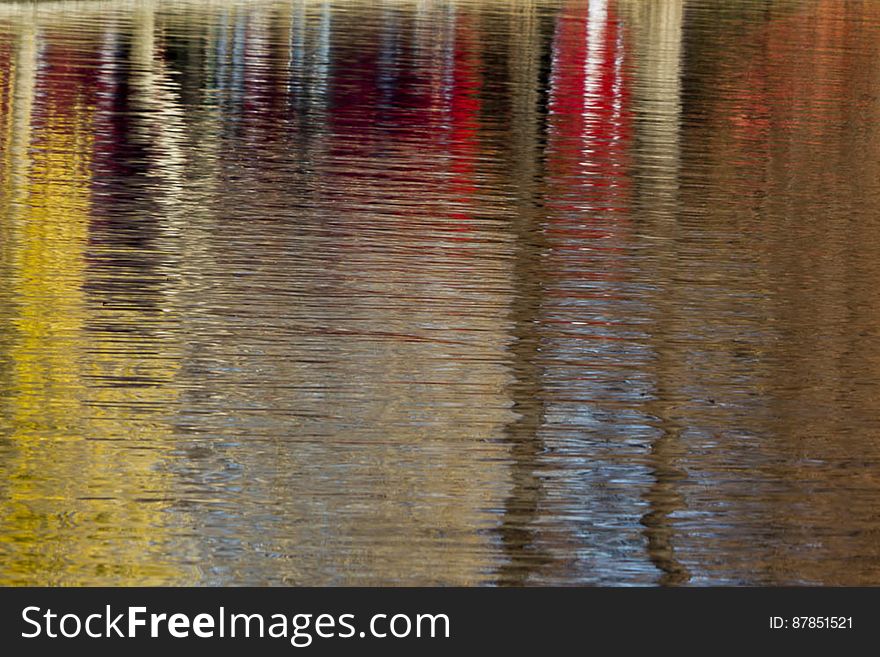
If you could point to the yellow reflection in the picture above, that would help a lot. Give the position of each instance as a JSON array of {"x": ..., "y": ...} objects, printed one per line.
[{"x": 84, "y": 497}]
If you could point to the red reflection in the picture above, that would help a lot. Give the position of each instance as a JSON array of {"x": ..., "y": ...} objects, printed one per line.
[
  {"x": 464, "y": 144},
  {"x": 590, "y": 132},
  {"x": 590, "y": 121}
]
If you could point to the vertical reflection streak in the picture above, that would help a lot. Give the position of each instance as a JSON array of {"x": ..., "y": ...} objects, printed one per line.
[
  {"x": 524, "y": 555},
  {"x": 657, "y": 32}
]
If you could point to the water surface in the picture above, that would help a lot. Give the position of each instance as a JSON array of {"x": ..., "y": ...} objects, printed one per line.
[{"x": 410, "y": 292}]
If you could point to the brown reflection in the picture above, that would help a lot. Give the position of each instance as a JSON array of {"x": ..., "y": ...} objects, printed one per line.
[
  {"x": 358, "y": 363},
  {"x": 438, "y": 292},
  {"x": 528, "y": 69},
  {"x": 769, "y": 166},
  {"x": 655, "y": 28}
]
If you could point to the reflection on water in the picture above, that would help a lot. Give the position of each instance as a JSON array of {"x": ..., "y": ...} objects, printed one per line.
[{"x": 411, "y": 292}]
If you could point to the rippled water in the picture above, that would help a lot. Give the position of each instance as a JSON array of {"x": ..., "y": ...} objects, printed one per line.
[{"x": 417, "y": 292}]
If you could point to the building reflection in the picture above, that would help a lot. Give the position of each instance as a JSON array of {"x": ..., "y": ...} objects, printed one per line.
[{"x": 436, "y": 292}]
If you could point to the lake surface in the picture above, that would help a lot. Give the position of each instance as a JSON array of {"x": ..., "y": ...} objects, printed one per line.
[{"x": 429, "y": 292}]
